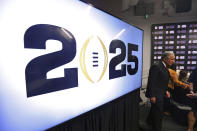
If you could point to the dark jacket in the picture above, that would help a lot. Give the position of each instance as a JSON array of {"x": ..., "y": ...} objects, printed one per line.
[
  {"x": 157, "y": 83},
  {"x": 193, "y": 79}
]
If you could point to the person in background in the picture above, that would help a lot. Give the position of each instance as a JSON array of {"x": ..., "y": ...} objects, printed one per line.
[
  {"x": 174, "y": 81},
  {"x": 157, "y": 88},
  {"x": 192, "y": 116},
  {"x": 177, "y": 80},
  {"x": 193, "y": 81},
  {"x": 181, "y": 105}
]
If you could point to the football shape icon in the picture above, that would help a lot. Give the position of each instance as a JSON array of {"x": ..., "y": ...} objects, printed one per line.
[{"x": 93, "y": 59}]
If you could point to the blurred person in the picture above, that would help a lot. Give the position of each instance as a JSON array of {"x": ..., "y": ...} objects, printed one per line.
[
  {"x": 179, "y": 80},
  {"x": 193, "y": 79},
  {"x": 181, "y": 110},
  {"x": 157, "y": 88},
  {"x": 193, "y": 95},
  {"x": 174, "y": 80},
  {"x": 192, "y": 116}
]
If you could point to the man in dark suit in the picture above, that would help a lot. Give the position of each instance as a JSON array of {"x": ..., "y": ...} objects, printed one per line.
[{"x": 157, "y": 89}]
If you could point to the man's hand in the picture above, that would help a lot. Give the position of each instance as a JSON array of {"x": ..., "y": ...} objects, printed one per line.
[
  {"x": 167, "y": 94},
  {"x": 153, "y": 99},
  {"x": 192, "y": 95}
]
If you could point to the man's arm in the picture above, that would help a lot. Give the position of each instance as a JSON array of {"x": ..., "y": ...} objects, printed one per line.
[
  {"x": 175, "y": 79},
  {"x": 153, "y": 75}
]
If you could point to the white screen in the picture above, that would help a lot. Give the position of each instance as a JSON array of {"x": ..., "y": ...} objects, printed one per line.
[{"x": 99, "y": 75}]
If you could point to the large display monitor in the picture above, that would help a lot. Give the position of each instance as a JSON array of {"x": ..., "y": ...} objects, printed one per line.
[{"x": 61, "y": 58}]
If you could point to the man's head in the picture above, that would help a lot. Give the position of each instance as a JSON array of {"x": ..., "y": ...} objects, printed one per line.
[{"x": 168, "y": 58}]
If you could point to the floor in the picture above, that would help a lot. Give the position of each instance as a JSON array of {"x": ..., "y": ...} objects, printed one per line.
[{"x": 168, "y": 123}]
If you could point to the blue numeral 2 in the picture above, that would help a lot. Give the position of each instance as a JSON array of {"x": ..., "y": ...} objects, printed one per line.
[{"x": 35, "y": 73}]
